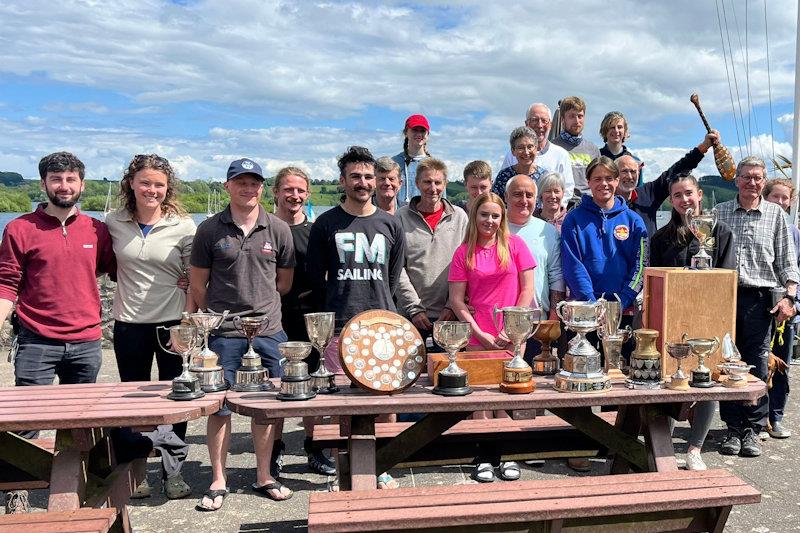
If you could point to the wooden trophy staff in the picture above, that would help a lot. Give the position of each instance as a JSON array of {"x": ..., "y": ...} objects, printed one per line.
[{"x": 722, "y": 157}]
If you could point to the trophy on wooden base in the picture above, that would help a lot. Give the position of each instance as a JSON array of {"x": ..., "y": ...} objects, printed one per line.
[
  {"x": 736, "y": 374},
  {"x": 702, "y": 348},
  {"x": 205, "y": 364},
  {"x": 319, "y": 327},
  {"x": 519, "y": 324},
  {"x": 251, "y": 376},
  {"x": 645, "y": 368},
  {"x": 680, "y": 351},
  {"x": 702, "y": 225},
  {"x": 582, "y": 371},
  {"x": 452, "y": 336},
  {"x": 295, "y": 382},
  {"x": 612, "y": 337},
  {"x": 182, "y": 341},
  {"x": 546, "y": 363}
]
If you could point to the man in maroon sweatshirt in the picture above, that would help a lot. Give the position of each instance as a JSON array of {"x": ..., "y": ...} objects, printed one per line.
[{"x": 49, "y": 263}]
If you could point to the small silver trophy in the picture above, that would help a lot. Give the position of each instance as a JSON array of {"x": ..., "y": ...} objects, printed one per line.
[
  {"x": 295, "y": 382},
  {"x": 519, "y": 325},
  {"x": 319, "y": 327},
  {"x": 702, "y": 348},
  {"x": 182, "y": 341},
  {"x": 205, "y": 365},
  {"x": 680, "y": 351},
  {"x": 251, "y": 376},
  {"x": 702, "y": 225},
  {"x": 452, "y": 336}
]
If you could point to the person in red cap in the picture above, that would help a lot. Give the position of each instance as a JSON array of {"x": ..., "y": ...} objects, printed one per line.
[{"x": 415, "y": 149}]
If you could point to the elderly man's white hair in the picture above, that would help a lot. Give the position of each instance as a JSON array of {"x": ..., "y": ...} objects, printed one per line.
[{"x": 538, "y": 104}]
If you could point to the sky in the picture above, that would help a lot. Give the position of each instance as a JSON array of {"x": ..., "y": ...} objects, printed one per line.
[{"x": 204, "y": 82}]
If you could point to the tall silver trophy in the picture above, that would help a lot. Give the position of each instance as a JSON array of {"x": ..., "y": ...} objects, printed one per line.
[
  {"x": 295, "y": 382},
  {"x": 452, "y": 336},
  {"x": 182, "y": 341},
  {"x": 205, "y": 365},
  {"x": 519, "y": 325},
  {"x": 612, "y": 337},
  {"x": 582, "y": 371},
  {"x": 702, "y": 225},
  {"x": 319, "y": 327},
  {"x": 251, "y": 376}
]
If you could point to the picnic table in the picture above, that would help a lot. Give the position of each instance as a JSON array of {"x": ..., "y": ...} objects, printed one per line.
[
  {"x": 640, "y": 412},
  {"x": 80, "y": 469}
]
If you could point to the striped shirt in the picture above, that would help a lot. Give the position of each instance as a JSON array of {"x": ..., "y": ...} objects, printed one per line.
[{"x": 765, "y": 254}]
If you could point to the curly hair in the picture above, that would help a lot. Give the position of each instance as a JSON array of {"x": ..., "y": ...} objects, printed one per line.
[{"x": 170, "y": 205}]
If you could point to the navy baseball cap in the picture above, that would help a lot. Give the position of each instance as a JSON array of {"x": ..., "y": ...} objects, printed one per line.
[{"x": 244, "y": 166}]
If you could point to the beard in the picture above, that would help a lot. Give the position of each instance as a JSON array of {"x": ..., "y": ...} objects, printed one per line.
[{"x": 64, "y": 204}]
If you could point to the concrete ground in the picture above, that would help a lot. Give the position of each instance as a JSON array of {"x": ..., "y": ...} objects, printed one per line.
[{"x": 244, "y": 511}]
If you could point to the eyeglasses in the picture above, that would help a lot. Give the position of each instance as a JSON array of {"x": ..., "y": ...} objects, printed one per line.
[
  {"x": 536, "y": 120},
  {"x": 754, "y": 179},
  {"x": 631, "y": 172}
]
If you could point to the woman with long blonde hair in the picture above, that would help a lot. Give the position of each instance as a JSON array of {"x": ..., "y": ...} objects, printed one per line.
[{"x": 491, "y": 267}]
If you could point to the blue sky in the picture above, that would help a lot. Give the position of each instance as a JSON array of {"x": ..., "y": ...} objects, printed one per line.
[{"x": 204, "y": 82}]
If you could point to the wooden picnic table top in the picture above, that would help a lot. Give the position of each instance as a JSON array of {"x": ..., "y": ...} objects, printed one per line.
[
  {"x": 96, "y": 405},
  {"x": 419, "y": 399}
]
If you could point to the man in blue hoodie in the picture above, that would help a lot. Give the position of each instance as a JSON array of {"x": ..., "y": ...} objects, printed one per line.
[{"x": 603, "y": 242}]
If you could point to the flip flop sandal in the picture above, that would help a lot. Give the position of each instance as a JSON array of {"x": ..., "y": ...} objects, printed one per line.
[
  {"x": 483, "y": 473},
  {"x": 264, "y": 490},
  {"x": 213, "y": 495},
  {"x": 509, "y": 471}
]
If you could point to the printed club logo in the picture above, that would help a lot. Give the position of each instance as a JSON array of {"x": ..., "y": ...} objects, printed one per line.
[
  {"x": 622, "y": 232},
  {"x": 247, "y": 164},
  {"x": 267, "y": 248}
]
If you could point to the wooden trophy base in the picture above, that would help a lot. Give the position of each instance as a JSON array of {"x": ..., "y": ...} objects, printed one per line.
[
  {"x": 518, "y": 388},
  {"x": 615, "y": 374},
  {"x": 517, "y": 380},
  {"x": 735, "y": 383},
  {"x": 678, "y": 383}
]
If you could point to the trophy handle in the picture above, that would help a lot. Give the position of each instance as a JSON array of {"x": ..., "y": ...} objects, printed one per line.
[
  {"x": 495, "y": 310},
  {"x": 716, "y": 344},
  {"x": 237, "y": 321},
  {"x": 158, "y": 339},
  {"x": 559, "y": 306},
  {"x": 684, "y": 336}
]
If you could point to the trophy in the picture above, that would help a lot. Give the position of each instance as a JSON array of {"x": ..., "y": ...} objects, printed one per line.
[
  {"x": 519, "y": 324},
  {"x": 582, "y": 371},
  {"x": 182, "y": 341},
  {"x": 680, "y": 351},
  {"x": 702, "y": 348},
  {"x": 204, "y": 364},
  {"x": 645, "y": 367},
  {"x": 612, "y": 352},
  {"x": 702, "y": 225},
  {"x": 452, "y": 336},
  {"x": 251, "y": 376},
  {"x": 546, "y": 363},
  {"x": 295, "y": 382},
  {"x": 736, "y": 373},
  {"x": 319, "y": 327}
]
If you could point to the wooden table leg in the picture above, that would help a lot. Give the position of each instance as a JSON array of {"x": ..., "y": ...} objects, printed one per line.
[
  {"x": 361, "y": 451},
  {"x": 629, "y": 422},
  {"x": 658, "y": 440},
  {"x": 68, "y": 474}
]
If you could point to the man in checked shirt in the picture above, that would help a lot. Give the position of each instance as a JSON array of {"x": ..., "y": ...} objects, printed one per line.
[{"x": 766, "y": 259}]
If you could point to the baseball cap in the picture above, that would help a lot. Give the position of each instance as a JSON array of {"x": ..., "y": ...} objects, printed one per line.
[
  {"x": 244, "y": 166},
  {"x": 417, "y": 120}
]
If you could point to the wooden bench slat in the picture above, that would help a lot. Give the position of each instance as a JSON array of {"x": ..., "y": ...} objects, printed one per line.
[{"x": 85, "y": 519}]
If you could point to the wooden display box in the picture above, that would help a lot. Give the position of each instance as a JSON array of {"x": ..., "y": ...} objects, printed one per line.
[
  {"x": 483, "y": 367},
  {"x": 700, "y": 303}
]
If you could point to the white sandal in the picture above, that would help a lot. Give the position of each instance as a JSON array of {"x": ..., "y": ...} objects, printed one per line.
[
  {"x": 509, "y": 471},
  {"x": 483, "y": 473}
]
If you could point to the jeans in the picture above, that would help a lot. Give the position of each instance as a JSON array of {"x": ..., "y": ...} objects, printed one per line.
[
  {"x": 753, "y": 332},
  {"x": 39, "y": 360},
  {"x": 231, "y": 350},
  {"x": 779, "y": 393}
]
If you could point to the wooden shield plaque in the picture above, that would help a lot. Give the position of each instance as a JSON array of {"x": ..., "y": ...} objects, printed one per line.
[{"x": 381, "y": 351}]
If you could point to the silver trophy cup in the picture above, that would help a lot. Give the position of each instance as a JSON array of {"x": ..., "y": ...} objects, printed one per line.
[
  {"x": 251, "y": 376},
  {"x": 319, "y": 327},
  {"x": 452, "y": 336},
  {"x": 702, "y": 225},
  {"x": 519, "y": 324},
  {"x": 205, "y": 365},
  {"x": 582, "y": 371},
  {"x": 182, "y": 341},
  {"x": 295, "y": 382}
]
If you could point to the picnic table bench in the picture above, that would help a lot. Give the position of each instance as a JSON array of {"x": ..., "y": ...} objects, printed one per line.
[
  {"x": 84, "y": 520},
  {"x": 642, "y": 502},
  {"x": 80, "y": 470}
]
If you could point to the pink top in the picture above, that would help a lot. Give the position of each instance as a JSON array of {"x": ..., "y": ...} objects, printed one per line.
[{"x": 487, "y": 284}]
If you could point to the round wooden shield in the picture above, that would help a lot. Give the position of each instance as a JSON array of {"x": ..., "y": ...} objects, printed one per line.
[{"x": 381, "y": 351}]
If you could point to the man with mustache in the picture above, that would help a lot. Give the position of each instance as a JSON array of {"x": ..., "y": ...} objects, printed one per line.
[{"x": 42, "y": 254}]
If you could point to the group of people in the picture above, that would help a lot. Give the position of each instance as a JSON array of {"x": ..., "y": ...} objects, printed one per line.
[{"x": 561, "y": 219}]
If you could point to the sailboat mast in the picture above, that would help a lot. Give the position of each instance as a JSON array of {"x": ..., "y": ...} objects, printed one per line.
[{"x": 796, "y": 128}]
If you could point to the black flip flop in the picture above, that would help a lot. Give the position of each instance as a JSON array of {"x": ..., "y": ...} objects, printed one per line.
[
  {"x": 213, "y": 495},
  {"x": 264, "y": 490}
]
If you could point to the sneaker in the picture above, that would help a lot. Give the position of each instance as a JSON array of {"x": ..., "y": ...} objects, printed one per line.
[
  {"x": 751, "y": 446},
  {"x": 731, "y": 444},
  {"x": 694, "y": 461},
  {"x": 276, "y": 461},
  {"x": 176, "y": 488},
  {"x": 321, "y": 463},
  {"x": 579, "y": 464},
  {"x": 17, "y": 502},
  {"x": 144, "y": 490},
  {"x": 777, "y": 431}
]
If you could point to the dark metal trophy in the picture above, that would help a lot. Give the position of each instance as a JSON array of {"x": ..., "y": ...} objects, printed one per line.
[
  {"x": 452, "y": 336},
  {"x": 645, "y": 368},
  {"x": 319, "y": 327},
  {"x": 702, "y": 348},
  {"x": 182, "y": 341},
  {"x": 251, "y": 376},
  {"x": 205, "y": 364},
  {"x": 295, "y": 382}
]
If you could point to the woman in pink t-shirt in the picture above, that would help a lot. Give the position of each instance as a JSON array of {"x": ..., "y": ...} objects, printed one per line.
[{"x": 490, "y": 267}]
